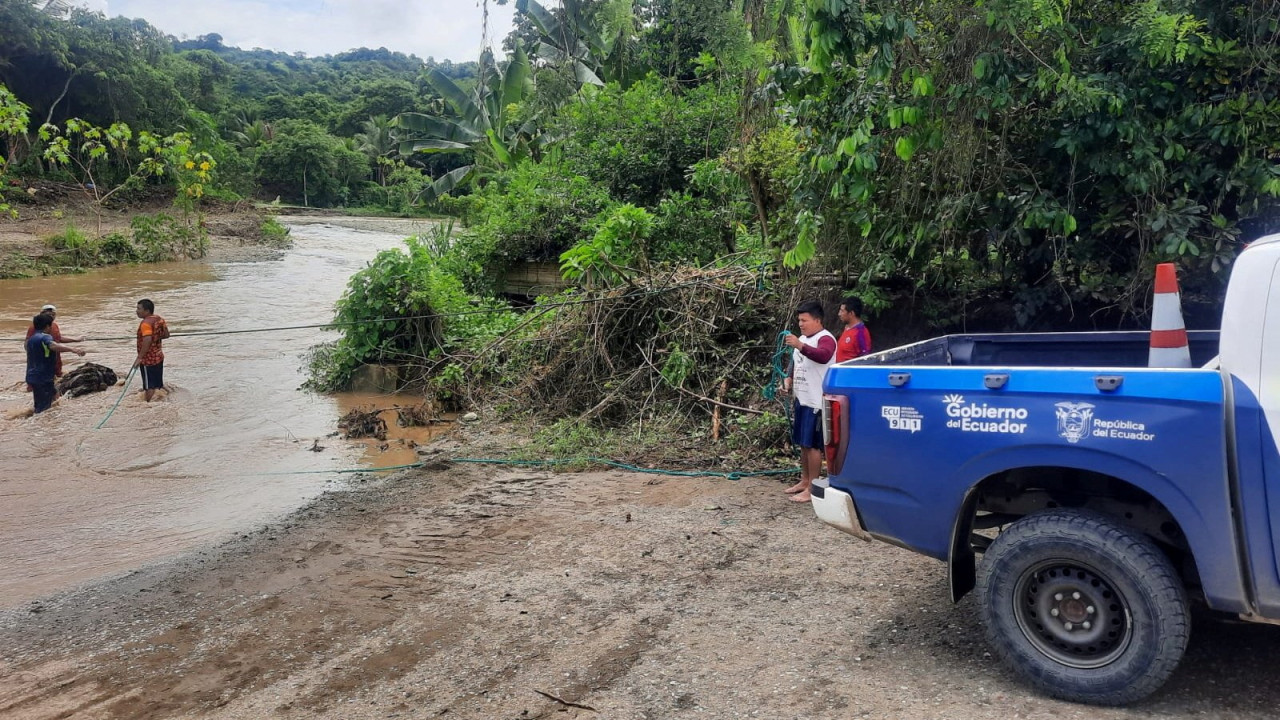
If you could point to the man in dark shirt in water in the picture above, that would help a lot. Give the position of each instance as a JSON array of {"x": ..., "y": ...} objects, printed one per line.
[{"x": 42, "y": 361}]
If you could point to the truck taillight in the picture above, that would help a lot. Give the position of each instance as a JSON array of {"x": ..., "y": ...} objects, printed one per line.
[{"x": 835, "y": 430}]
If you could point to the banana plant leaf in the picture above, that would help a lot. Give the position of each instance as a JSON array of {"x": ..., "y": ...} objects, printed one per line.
[
  {"x": 409, "y": 147},
  {"x": 446, "y": 183},
  {"x": 436, "y": 127}
]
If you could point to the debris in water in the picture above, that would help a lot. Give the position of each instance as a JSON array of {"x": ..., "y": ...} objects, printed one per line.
[
  {"x": 417, "y": 416},
  {"x": 364, "y": 423},
  {"x": 88, "y": 378}
]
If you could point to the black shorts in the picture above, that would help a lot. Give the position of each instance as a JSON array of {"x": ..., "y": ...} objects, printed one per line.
[
  {"x": 44, "y": 394},
  {"x": 152, "y": 376}
]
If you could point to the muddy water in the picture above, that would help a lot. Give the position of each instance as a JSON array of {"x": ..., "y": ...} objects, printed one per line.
[{"x": 78, "y": 504}]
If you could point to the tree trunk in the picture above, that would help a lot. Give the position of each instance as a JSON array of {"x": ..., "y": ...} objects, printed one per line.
[{"x": 49, "y": 119}]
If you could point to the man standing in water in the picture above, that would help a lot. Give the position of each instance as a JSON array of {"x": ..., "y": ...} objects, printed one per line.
[
  {"x": 150, "y": 362},
  {"x": 42, "y": 361},
  {"x": 55, "y": 332}
]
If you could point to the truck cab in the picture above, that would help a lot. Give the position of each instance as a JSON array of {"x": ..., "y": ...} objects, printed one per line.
[{"x": 1101, "y": 495}]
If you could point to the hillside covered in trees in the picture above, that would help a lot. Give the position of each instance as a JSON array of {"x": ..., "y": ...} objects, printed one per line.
[{"x": 309, "y": 130}]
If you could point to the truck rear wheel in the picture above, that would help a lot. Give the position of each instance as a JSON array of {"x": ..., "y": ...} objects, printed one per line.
[{"x": 1083, "y": 607}]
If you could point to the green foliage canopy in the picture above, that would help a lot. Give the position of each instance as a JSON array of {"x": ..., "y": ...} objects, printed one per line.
[{"x": 1047, "y": 154}]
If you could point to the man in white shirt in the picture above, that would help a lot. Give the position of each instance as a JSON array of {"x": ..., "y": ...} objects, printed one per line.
[{"x": 815, "y": 350}]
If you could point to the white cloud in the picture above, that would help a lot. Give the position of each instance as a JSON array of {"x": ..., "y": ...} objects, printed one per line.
[{"x": 427, "y": 28}]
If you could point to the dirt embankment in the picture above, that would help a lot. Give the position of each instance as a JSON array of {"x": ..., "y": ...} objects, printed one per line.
[
  {"x": 59, "y": 206},
  {"x": 478, "y": 592}
]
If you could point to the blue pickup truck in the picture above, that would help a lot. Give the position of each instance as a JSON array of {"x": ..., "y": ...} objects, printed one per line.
[{"x": 1101, "y": 496}]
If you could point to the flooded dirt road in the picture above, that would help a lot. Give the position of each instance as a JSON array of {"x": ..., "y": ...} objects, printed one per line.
[{"x": 79, "y": 504}]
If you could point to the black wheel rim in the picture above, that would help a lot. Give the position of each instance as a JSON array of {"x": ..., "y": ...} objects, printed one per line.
[{"x": 1072, "y": 614}]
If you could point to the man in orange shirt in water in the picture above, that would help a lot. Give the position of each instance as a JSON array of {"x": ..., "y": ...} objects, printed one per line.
[{"x": 150, "y": 363}]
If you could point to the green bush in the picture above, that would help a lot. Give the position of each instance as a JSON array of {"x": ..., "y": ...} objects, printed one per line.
[
  {"x": 69, "y": 240},
  {"x": 689, "y": 229},
  {"x": 641, "y": 142},
  {"x": 162, "y": 237},
  {"x": 370, "y": 194},
  {"x": 535, "y": 211},
  {"x": 115, "y": 248},
  {"x": 404, "y": 185},
  {"x": 275, "y": 233},
  {"x": 469, "y": 209},
  {"x": 404, "y": 308}
]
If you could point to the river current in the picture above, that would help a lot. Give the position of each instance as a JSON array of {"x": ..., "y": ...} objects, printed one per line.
[{"x": 79, "y": 504}]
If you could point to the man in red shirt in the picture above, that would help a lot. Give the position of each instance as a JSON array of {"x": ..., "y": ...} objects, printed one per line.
[
  {"x": 53, "y": 330},
  {"x": 150, "y": 362},
  {"x": 855, "y": 341}
]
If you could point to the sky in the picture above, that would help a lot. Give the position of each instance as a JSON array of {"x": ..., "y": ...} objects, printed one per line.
[{"x": 442, "y": 29}]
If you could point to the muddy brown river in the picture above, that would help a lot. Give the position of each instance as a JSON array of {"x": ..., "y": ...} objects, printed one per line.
[{"x": 213, "y": 458}]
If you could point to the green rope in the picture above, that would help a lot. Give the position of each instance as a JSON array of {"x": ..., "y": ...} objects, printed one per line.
[
  {"x": 112, "y": 411},
  {"x": 777, "y": 366},
  {"x": 738, "y": 475}
]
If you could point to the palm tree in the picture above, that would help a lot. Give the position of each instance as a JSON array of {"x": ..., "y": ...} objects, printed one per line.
[
  {"x": 377, "y": 139},
  {"x": 253, "y": 133}
]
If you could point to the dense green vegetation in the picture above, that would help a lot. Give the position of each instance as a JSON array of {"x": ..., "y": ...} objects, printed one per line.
[
  {"x": 1000, "y": 164},
  {"x": 258, "y": 113}
]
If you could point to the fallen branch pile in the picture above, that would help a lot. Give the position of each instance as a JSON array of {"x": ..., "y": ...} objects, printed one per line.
[
  {"x": 416, "y": 416},
  {"x": 696, "y": 343},
  {"x": 363, "y": 423}
]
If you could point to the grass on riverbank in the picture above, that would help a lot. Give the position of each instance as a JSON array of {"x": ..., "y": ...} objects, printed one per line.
[{"x": 148, "y": 238}]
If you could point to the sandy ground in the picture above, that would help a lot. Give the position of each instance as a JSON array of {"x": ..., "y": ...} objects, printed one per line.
[
  {"x": 406, "y": 226},
  {"x": 463, "y": 591}
]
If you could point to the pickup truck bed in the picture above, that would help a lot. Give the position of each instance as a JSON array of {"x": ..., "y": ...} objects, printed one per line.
[{"x": 1094, "y": 349}]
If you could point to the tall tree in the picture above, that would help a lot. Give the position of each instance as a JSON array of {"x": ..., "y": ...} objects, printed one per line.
[
  {"x": 377, "y": 139},
  {"x": 482, "y": 122}
]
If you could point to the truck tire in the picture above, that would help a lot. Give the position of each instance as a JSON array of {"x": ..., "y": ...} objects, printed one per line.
[{"x": 1083, "y": 607}]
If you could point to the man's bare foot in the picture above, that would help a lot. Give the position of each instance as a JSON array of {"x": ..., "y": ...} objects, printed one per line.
[
  {"x": 802, "y": 497},
  {"x": 798, "y": 487}
]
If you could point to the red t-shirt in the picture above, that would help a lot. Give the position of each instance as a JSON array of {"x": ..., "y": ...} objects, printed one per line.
[{"x": 854, "y": 343}]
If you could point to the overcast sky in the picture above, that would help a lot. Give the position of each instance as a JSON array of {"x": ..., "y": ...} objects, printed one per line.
[{"x": 426, "y": 28}]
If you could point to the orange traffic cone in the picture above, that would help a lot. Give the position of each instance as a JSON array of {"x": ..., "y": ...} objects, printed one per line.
[{"x": 1168, "y": 332}]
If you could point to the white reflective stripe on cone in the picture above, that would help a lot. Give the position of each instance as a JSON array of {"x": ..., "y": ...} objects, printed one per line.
[
  {"x": 1179, "y": 357},
  {"x": 1166, "y": 313}
]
